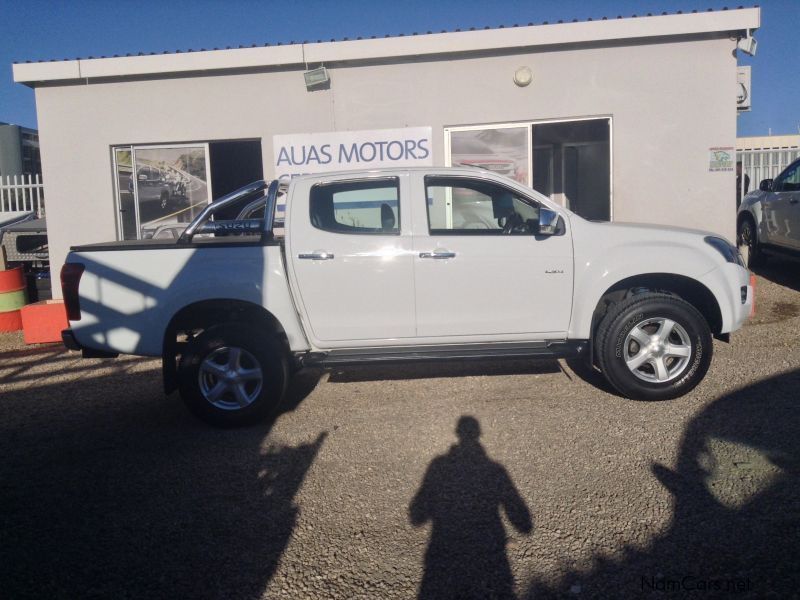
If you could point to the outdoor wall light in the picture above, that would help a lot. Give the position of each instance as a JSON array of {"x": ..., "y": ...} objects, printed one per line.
[
  {"x": 747, "y": 44},
  {"x": 523, "y": 76},
  {"x": 316, "y": 78}
]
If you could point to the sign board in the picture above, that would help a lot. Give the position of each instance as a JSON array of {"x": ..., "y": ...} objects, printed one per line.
[
  {"x": 721, "y": 158},
  {"x": 301, "y": 153},
  {"x": 743, "y": 88}
]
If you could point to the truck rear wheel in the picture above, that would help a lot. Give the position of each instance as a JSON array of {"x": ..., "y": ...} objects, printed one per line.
[
  {"x": 654, "y": 347},
  {"x": 229, "y": 376}
]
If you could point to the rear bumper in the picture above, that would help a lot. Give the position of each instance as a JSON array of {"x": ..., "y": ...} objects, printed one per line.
[
  {"x": 71, "y": 342},
  {"x": 68, "y": 337}
]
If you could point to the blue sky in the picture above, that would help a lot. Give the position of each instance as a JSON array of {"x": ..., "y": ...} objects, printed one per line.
[{"x": 36, "y": 30}]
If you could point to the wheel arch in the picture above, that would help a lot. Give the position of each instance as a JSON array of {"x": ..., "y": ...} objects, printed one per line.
[
  {"x": 205, "y": 313},
  {"x": 743, "y": 216},
  {"x": 688, "y": 289}
]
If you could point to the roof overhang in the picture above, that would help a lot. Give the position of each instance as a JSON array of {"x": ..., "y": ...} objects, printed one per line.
[{"x": 727, "y": 22}]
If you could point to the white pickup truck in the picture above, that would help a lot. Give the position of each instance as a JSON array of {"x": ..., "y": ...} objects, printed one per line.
[{"x": 402, "y": 265}]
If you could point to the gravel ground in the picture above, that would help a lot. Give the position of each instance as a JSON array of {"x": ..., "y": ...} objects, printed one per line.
[{"x": 504, "y": 479}]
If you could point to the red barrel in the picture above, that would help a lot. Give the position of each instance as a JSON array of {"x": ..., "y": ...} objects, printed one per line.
[{"x": 12, "y": 299}]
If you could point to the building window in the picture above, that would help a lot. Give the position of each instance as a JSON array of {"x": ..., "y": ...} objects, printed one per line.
[
  {"x": 566, "y": 160},
  {"x": 162, "y": 188}
]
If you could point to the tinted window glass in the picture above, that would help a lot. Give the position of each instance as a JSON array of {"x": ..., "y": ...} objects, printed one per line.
[
  {"x": 357, "y": 207},
  {"x": 789, "y": 181}
]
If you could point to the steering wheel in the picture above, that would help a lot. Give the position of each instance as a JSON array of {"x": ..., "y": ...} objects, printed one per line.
[{"x": 514, "y": 224}]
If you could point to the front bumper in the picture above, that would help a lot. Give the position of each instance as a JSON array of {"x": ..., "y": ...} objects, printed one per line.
[{"x": 734, "y": 289}]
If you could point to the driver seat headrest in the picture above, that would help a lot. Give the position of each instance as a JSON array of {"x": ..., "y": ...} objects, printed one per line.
[{"x": 387, "y": 217}]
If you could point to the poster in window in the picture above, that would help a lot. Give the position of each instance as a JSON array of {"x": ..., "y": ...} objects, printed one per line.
[
  {"x": 172, "y": 187},
  {"x": 502, "y": 150}
]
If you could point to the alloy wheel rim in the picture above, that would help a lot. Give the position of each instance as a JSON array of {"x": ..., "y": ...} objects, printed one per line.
[
  {"x": 230, "y": 378},
  {"x": 657, "y": 350}
]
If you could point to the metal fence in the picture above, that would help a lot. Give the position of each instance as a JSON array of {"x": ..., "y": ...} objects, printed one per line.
[
  {"x": 765, "y": 164},
  {"x": 22, "y": 193}
]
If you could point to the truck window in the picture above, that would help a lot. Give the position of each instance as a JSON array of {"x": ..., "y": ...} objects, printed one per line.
[
  {"x": 462, "y": 206},
  {"x": 370, "y": 206}
]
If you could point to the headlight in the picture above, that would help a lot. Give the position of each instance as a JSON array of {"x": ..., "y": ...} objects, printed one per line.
[{"x": 729, "y": 252}]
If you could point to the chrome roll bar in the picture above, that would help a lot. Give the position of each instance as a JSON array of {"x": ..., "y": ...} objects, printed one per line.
[
  {"x": 196, "y": 226},
  {"x": 269, "y": 209}
]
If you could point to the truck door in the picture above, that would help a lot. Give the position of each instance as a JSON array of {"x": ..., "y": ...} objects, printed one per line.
[
  {"x": 782, "y": 209},
  {"x": 352, "y": 260},
  {"x": 479, "y": 269}
]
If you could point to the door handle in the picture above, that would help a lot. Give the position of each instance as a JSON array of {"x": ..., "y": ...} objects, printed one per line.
[
  {"x": 794, "y": 200},
  {"x": 437, "y": 254},
  {"x": 319, "y": 255}
]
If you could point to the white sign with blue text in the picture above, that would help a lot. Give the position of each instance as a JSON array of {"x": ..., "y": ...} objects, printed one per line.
[{"x": 300, "y": 153}]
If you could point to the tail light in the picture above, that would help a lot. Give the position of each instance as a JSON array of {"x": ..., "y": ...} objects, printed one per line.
[{"x": 70, "y": 279}]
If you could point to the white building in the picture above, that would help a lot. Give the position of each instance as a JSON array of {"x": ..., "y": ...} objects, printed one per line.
[{"x": 626, "y": 119}]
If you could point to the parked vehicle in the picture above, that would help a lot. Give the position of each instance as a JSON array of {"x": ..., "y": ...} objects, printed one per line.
[
  {"x": 768, "y": 221},
  {"x": 152, "y": 186},
  {"x": 373, "y": 268}
]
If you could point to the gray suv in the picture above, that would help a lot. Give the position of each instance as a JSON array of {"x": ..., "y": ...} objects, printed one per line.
[{"x": 768, "y": 221}]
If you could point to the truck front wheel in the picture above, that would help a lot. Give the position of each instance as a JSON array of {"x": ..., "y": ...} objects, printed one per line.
[
  {"x": 749, "y": 247},
  {"x": 229, "y": 376},
  {"x": 654, "y": 347}
]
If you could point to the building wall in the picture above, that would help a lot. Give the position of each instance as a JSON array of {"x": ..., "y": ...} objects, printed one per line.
[{"x": 670, "y": 102}]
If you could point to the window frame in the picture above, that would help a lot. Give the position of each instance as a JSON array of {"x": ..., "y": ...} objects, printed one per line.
[
  {"x": 369, "y": 183},
  {"x": 133, "y": 148}
]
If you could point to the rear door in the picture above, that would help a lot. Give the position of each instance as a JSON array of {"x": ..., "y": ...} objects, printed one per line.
[
  {"x": 480, "y": 272},
  {"x": 350, "y": 250},
  {"x": 789, "y": 183}
]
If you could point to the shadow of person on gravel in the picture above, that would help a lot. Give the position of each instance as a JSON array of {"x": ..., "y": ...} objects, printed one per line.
[
  {"x": 462, "y": 494},
  {"x": 110, "y": 490},
  {"x": 736, "y": 489}
]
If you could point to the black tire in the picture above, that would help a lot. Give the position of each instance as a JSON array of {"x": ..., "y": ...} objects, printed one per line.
[
  {"x": 649, "y": 314},
  {"x": 261, "y": 351},
  {"x": 750, "y": 248}
]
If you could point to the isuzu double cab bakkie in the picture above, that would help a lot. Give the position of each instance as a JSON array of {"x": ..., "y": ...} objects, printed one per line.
[{"x": 402, "y": 265}]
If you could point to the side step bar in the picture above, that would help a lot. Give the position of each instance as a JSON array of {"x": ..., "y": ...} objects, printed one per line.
[{"x": 451, "y": 352}]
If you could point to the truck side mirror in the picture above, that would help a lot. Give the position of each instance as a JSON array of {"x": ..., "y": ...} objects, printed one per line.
[
  {"x": 549, "y": 222},
  {"x": 765, "y": 185}
]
